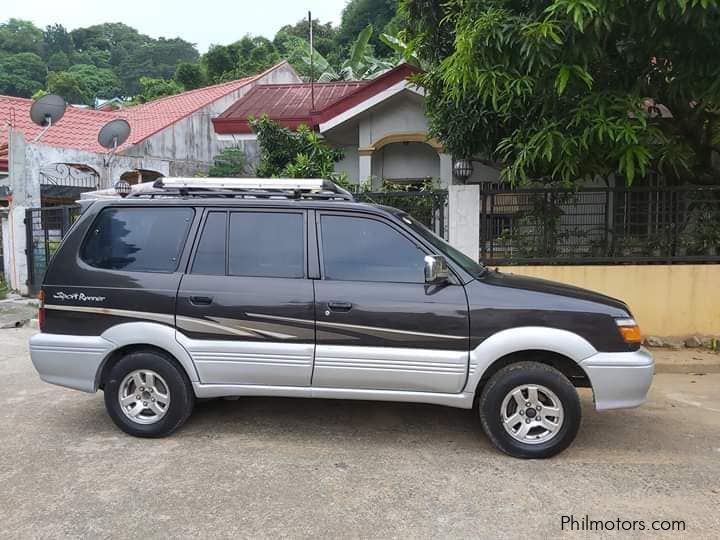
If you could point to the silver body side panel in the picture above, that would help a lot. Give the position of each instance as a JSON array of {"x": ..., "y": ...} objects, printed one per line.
[
  {"x": 525, "y": 338},
  {"x": 390, "y": 368},
  {"x": 148, "y": 333},
  {"x": 462, "y": 400},
  {"x": 250, "y": 362},
  {"x": 620, "y": 380},
  {"x": 71, "y": 361}
]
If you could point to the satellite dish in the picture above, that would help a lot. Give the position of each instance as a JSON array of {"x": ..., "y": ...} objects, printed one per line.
[
  {"x": 114, "y": 133},
  {"x": 47, "y": 110}
]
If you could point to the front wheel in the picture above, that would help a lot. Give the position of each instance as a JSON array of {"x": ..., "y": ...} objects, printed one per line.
[
  {"x": 147, "y": 394},
  {"x": 530, "y": 410}
]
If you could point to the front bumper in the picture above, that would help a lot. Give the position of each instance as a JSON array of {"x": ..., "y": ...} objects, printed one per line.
[
  {"x": 620, "y": 380},
  {"x": 72, "y": 361}
]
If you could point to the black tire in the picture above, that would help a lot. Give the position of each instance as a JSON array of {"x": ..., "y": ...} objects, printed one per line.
[
  {"x": 182, "y": 398},
  {"x": 522, "y": 373}
]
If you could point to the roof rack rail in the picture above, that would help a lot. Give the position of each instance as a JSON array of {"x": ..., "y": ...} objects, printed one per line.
[{"x": 266, "y": 188}]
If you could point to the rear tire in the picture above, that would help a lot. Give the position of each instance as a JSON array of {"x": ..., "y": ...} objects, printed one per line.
[
  {"x": 148, "y": 395},
  {"x": 530, "y": 410}
]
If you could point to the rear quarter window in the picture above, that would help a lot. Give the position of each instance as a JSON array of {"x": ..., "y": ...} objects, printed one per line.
[{"x": 137, "y": 239}]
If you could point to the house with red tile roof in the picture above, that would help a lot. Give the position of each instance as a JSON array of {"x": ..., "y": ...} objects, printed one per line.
[
  {"x": 171, "y": 136},
  {"x": 380, "y": 125}
]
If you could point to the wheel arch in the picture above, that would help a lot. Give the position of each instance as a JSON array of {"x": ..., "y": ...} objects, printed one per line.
[
  {"x": 128, "y": 337},
  {"x": 557, "y": 348}
]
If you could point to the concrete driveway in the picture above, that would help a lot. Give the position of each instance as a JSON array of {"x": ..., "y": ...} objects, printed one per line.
[{"x": 299, "y": 468}]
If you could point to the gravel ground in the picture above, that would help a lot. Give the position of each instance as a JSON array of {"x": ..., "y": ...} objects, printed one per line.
[{"x": 259, "y": 467}]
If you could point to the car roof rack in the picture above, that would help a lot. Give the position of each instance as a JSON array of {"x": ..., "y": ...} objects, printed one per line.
[{"x": 254, "y": 188}]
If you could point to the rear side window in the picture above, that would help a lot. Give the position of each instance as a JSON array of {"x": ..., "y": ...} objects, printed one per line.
[
  {"x": 211, "y": 251},
  {"x": 137, "y": 239},
  {"x": 266, "y": 244}
]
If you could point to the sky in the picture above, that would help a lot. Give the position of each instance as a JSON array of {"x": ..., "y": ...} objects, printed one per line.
[{"x": 203, "y": 22}]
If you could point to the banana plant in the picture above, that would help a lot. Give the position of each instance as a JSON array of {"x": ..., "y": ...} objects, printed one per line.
[
  {"x": 403, "y": 52},
  {"x": 360, "y": 65}
]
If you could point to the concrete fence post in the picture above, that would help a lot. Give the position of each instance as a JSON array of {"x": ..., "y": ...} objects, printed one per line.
[{"x": 464, "y": 210}]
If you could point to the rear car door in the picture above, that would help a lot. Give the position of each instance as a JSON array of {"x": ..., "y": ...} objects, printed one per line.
[
  {"x": 379, "y": 326},
  {"x": 245, "y": 308}
]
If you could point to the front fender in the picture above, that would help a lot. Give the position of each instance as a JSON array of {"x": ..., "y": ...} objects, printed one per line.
[{"x": 526, "y": 338}]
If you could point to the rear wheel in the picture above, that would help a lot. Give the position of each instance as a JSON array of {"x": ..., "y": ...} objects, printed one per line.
[
  {"x": 147, "y": 394},
  {"x": 530, "y": 410}
]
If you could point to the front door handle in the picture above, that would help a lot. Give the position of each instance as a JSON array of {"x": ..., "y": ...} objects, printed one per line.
[
  {"x": 339, "y": 306},
  {"x": 201, "y": 300}
]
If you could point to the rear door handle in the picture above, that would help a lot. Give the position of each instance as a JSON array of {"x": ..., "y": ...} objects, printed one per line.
[
  {"x": 340, "y": 306},
  {"x": 201, "y": 300}
]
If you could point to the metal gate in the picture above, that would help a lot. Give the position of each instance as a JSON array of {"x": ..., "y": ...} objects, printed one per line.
[{"x": 45, "y": 229}]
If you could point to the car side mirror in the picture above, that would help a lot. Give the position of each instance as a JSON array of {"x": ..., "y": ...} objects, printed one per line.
[{"x": 436, "y": 269}]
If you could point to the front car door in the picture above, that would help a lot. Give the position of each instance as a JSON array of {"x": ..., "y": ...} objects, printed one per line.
[
  {"x": 379, "y": 326},
  {"x": 245, "y": 308}
]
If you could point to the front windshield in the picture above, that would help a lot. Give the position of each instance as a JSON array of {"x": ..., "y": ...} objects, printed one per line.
[{"x": 459, "y": 258}]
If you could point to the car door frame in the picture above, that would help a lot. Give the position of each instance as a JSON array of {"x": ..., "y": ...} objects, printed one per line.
[
  {"x": 325, "y": 355},
  {"x": 208, "y": 351}
]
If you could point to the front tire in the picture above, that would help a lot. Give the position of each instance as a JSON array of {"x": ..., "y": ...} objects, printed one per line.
[
  {"x": 148, "y": 395},
  {"x": 530, "y": 410}
]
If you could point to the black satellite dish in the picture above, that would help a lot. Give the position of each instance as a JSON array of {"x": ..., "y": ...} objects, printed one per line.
[
  {"x": 47, "y": 110},
  {"x": 114, "y": 133}
]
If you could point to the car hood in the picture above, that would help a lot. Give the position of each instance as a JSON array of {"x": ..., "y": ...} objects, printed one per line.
[{"x": 514, "y": 281}]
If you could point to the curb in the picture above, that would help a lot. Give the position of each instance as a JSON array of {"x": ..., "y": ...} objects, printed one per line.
[{"x": 688, "y": 369}]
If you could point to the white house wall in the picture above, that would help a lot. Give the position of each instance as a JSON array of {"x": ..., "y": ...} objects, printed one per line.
[
  {"x": 401, "y": 161},
  {"x": 404, "y": 113},
  {"x": 191, "y": 143},
  {"x": 349, "y": 164}
]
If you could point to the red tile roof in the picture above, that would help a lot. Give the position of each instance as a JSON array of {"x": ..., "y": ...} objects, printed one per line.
[
  {"x": 290, "y": 104},
  {"x": 79, "y": 128}
]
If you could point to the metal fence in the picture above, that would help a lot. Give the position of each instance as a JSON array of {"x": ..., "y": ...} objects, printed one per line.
[
  {"x": 606, "y": 225},
  {"x": 428, "y": 207},
  {"x": 45, "y": 229}
]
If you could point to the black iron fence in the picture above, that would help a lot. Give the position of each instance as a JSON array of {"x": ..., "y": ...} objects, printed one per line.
[
  {"x": 605, "y": 225},
  {"x": 45, "y": 229},
  {"x": 428, "y": 207}
]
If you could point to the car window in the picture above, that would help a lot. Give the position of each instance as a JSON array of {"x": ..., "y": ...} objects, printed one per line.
[
  {"x": 211, "y": 251},
  {"x": 137, "y": 239},
  {"x": 360, "y": 249},
  {"x": 266, "y": 244}
]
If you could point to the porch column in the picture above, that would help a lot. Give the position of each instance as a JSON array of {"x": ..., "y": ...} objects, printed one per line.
[{"x": 365, "y": 167}]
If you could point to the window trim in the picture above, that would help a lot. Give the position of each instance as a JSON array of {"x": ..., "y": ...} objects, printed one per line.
[
  {"x": 228, "y": 211},
  {"x": 321, "y": 249},
  {"x": 182, "y": 253},
  {"x": 198, "y": 239}
]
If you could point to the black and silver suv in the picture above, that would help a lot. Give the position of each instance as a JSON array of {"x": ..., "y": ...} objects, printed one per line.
[{"x": 205, "y": 288}]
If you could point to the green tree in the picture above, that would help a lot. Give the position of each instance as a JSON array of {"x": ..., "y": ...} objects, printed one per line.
[
  {"x": 19, "y": 36},
  {"x": 294, "y": 154},
  {"x": 290, "y": 38},
  {"x": 58, "y": 61},
  {"x": 57, "y": 40},
  {"x": 83, "y": 83},
  {"x": 358, "y": 14},
  {"x": 360, "y": 63},
  {"x": 190, "y": 76},
  {"x": 22, "y": 74},
  {"x": 153, "y": 88},
  {"x": 246, "y": 57},
  {"x": 561, "y": 90},
  {"x": 231, "y": 162}
]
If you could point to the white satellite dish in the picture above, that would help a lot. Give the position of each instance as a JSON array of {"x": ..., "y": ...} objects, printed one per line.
[
  {"x": 47, "y": 111},
  {"x": 114, "y": 133}
]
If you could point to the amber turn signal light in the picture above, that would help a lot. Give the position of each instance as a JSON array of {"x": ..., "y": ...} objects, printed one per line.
[{"x": 629, "y": 330}]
